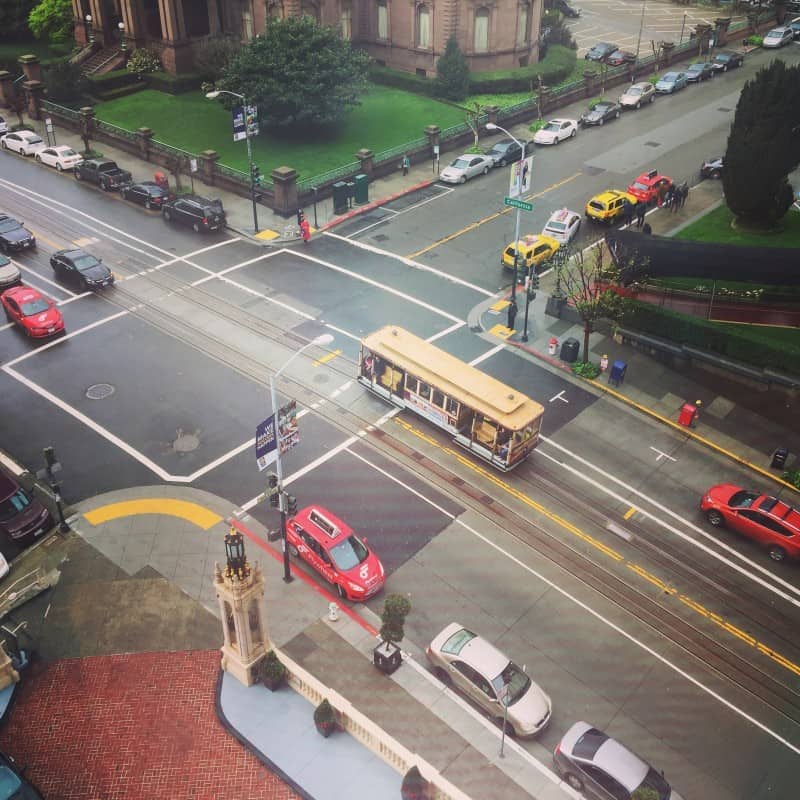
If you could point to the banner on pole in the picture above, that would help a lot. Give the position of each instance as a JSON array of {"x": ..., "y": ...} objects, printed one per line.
[{"x": 266, "y": 443}]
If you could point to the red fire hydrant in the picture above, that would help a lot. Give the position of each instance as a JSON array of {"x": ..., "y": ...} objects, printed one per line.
[
  {"x": 689, "y": 414},
  {"x": 552, "y": 345}
]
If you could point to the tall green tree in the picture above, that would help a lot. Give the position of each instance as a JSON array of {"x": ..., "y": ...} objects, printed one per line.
[
  {"x": 299, "y": 73},
  {"x": 51, "y": 19},
  {"x": 14, "y": 19},
  {"x": 764, "y": 146},
  {"x": 452, "y": 72}
]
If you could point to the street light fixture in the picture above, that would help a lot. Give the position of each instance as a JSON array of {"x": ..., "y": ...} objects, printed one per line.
[
  {"x": 641, "y": 27},
  {"x": 213, "y": 96},
  {"x": 320, "y": 341},
  {"x": 123, "y": 44},
  {"x": 89, "y": 28},
  {"x": 491, "y": 126}
]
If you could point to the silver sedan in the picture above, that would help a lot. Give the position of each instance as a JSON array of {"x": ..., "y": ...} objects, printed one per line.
[{"x": 465, "y": 167}]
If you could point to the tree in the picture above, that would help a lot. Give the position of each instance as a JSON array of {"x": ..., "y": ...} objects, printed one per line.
[
  {"x": 585, "y": 281},
  {"x": 474, "y": 111},
  {"x": 764, "y": 147},
  {"x": 212, "y": 56},
  {"x": 14, "y": 19},
  {"x": 65, "y": 82},
  {"x": 51, "y": 19},
  {"x": 393, "y": 618},
  {"x": 300, "y": 74},
  {"x": 452, "y": 72}
]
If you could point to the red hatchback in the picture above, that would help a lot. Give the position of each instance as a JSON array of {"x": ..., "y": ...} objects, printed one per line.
[
  {"x": 767, "y": 520},
  {"x": 332, "y": 549},
  {"x": 36, "y": 314},
  {"x": 646, "y": 186}
]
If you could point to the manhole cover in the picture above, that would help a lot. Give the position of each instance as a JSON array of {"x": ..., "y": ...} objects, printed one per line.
[
  {"x": 100, "y": 391},
  {"x": 652, "y": 144},
  {"x": 186, "y": 442},
  {"x": 724, "y": 110},
  {"x": 380, "y": 237}
]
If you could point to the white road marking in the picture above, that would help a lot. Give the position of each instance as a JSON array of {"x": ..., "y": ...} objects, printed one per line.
[
  {"x": 487, "y": 354},
  {"x": 662, "y": 454},
  {"x": 46, "y": 280},
  {"x": 446, "y": 331},
  {"x": 618, "y": 530},
  {"x": 560, "y": 396}
]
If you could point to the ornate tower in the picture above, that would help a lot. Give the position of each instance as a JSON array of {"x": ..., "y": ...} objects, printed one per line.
[{"x": 240, "y": 593}]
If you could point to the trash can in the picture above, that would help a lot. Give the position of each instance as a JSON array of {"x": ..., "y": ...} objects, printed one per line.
[
  {"x": 569, "y": 350},
  {"x": 361, "y": 190},
  {"x": 617, "y": 373},
  {"x": 340, "y": 195},
  {"x": 779, "y": 458}
]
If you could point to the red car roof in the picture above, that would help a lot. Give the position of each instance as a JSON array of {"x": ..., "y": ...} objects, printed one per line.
[{"x": 325, "y": 525}]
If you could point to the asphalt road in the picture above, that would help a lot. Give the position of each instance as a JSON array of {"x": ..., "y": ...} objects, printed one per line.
[{"x": 604, "y": 606}]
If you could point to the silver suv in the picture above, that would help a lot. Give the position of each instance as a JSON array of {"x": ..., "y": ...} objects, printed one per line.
[
  {"x": 603, "y": 769},
  {"x": 636, "y": 95}
]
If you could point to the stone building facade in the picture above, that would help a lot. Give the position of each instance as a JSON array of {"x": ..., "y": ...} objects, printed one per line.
[{"x": 403, "y": 34}]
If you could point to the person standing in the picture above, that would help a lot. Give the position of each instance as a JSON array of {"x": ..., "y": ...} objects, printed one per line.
[
  {"x": 512, "y": 313},
  {"x": 406, "y": 164},
  {"x": 641, "y": 211},
  {"x": 305, "y": 230},
  {"x": 684, "y": 192}
]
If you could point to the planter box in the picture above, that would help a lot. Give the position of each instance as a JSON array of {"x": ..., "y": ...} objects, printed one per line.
[{"x": 387, "y": 657}]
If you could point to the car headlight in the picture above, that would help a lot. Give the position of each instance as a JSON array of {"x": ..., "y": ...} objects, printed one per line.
[{"x": 354, "y": 587}]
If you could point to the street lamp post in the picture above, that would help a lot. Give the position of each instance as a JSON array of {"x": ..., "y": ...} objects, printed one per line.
[
  {"x": 491, "y": 126},
  {"x": 212, "y": 96},
  {"x": 89, "y": 28},
  {"x": 320, "y": 341},
  {"x": 641, "y": 27},
  {"x": 123, "y": 45}
]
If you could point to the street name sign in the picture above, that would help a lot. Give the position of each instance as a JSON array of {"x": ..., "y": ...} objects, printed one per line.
[{"x": 521, "y": 204}]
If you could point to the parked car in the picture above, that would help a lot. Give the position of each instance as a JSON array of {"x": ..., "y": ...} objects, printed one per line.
[
  {"x": 608, "y": 206},
  {"x": 647, "y": 186},
  {"x": 13, "y": 784},
  {"x": 81, "y": 268},
  {"x": 671, "y": 82},
  {"x": 106, "y": 174},
  {"x": 778, "y": 37},
  {"x": 22, "y": 517},
  {"x": 601, "y": 51},
  {"x": 765, "y": 519},
  {"x": 61, "y": 157},
  {"x": 147, "y": 193},
  {"x": 14, "y": 236},
  {"x": 636, "y": 95},
  {"x": 556, "y": 131},
  {"x": 3, "y": 125},
  {"x": 505, "y": 151},
  {"x": 9, "y": 273},
  {"x": 531, "y": 251},
  {"x": 199, "y": 213},
  {"x": 600, "y": 113},
  {"x": 727, "y": 59},
  {"x": 794, "y": 25},
  {"x": 24, "y": 142},
  {"x": 330, "y": 546},
  {"x": 699, "y": 71},
  {"x": 490, "y": 679},
  {"x": 619, "y": 57},
  {"x": 591, "y": 762},
  {"x": 563, "y": 225},
  {"x": 36, "y": 314},
  {"x": 466, "y": 166},
  {"x": 712, "y": 167}
]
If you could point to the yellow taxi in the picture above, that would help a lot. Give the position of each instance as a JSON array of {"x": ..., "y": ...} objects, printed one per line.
[
  {"x": 533, "y": 250},
  {"x": 608, "y": 206}
]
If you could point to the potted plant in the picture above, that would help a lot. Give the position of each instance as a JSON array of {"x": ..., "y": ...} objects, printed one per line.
[
  {"x": 325, "y": 718},
  {"x": 414, "y": 786},
  {"x": 272, "y": 671},
  {"x": 387, "y": 655}
]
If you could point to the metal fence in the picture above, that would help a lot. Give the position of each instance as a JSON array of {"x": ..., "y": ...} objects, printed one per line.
[
  {"x": 323, "y": 178},
  {"x": 60, "y": 111}
]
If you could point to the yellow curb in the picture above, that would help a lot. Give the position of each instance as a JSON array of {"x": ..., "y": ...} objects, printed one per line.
[
  {"x": 499, "y": 305},
  {"x": 197, "y": 514},
  {"x": 268, "y": 235},
  {"x": 502, "y": 331}
]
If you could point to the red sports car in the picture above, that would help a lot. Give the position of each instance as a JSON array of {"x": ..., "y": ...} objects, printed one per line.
[
  {"x": 332, "y": 549},
  {"x": 646, "y": 186},
  {"x": 36, "y": 314},
  {"x": 767, "y": 520}
]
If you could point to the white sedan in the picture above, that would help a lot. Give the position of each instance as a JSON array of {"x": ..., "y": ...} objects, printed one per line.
[
  {"x": 60, "y": 157},
  {"x": 25, "y": 142},
  {"x": 563, "y": 225},
  {"x": 556, "y": 131},
  {"x": 465, "y": 167}
]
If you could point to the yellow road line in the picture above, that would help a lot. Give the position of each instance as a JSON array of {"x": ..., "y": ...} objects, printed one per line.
[
  {"x": 473, "y": 225},
  {"x": 327, "y": 357},
  {"x": 499, "y": 305},
  {"x": 629, "y": 513},
  {"x": 199, "y": 515},
  {"x": 643, "y": 573},
  {"x": 502, "y": 331}
]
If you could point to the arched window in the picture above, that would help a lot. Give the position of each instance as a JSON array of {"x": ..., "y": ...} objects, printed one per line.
[
  {"x": 383, "y": 20},
  {"x": 480, "y": 41},
  {"x": 423, "y": 27},
  {"x": 522, "y": 28},
  {"x": 346, "y": 20}
]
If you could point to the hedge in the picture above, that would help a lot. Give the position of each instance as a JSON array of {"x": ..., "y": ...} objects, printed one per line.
[
  {"x": 385, "y": 76},
  {"x": 174, "y": 84},
  {"x": 739, "y": 343},
  {"x": 121, "y": 91},
  {"x": 112, "y": 80},
  {"x": 554, "y": 68}
]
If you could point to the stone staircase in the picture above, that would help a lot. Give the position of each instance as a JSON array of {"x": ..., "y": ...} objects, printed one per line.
[{"x": 103, "y": 61}]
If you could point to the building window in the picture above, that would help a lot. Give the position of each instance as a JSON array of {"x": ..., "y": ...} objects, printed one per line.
[
  {"x": 383, "y": 20},
  {"x": 423, "y": 27},
  {"x": 481, "y": 37},
  {"x": 346, "y": 21}
]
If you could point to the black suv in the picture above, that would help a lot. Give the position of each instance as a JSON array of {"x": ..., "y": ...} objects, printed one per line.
[
  {"x": 13, "y": 236},
  {"x": 197, "y": 212}
]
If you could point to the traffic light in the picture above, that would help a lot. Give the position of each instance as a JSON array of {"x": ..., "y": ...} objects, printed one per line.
[
  {"x": 255, "y": 174},
  {"x": 291, "y": 505},
  {"x": 535, "y": 281},
  {"x": 273, "y": 491},
  {"x": 49, "y": 457}
]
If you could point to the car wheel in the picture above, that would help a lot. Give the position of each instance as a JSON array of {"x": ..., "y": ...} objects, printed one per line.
[
  {"x": 38, "y": 158},
  {"x": 574, "y": 781},
  {"x": 104, "y": 186},
  {"x": 776, "y": 553},
  {"x": 616, "y": 116},
  {"x": 715, "y": 518},
  {"x": 572, "y": 135},
  {"x": 147, "y": 204},
  {"x": 502, "y": 162},
  {"x": 442, "y": 675},
  {"x": 652, "y": 98},
  {"x": 638, "y": 105},
  {"x": 341, "y": 592},
  {"x": 602, "y": 120},
  {"x": 486, "y": 170},
  {"x": 293, "y": 551},
  {"x": 462, "y": 179},
  {"x": 557, "y": 140},
  {"x": 196, "y": 227},
  {"x": 167, "y": 215},
  {"x": 5, "y": 146},
  {"x": 78, "y": 176},
  {"x": 725, "y": 68},
  {"x": 59, "y": 168}
]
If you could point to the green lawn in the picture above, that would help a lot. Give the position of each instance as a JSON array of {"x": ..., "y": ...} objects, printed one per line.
[
  {"x": 387, "y": 118},
  {"x": 11, "y": 51},
  {"x": 716, "y": 227}
]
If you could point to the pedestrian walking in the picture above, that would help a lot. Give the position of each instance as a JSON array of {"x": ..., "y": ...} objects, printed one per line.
[
  {"x": 305, "y": 230},
  {"x": 641, "y": 210},
  {"x": 512, "y": 313},
  {"x": 627, "y": 213},
  {"x": 676, "y": 199},
  {"x": 684, "y": 193},
  {"x": 406, "y": 164}
]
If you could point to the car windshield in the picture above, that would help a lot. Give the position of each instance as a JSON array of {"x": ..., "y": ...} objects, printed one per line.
[
  {"x": 517, "y": 681},
  {"x": 639, "y": 186},
  {"x": 634, "y": 90},
  {"x": 8, "y": 225},
  {"x": 551, "y": 126},
  {"x": 349, "y": 553},
  {"x": 34, "y": 140},
  {"x": 84, "y": 262},
  {"x": 460, "y": 163},
  {"x": 34, "y": 307},
  {"x": 10, "y": 784},
  {"x": 742, "y": 499},
  {"x": 670, "y": 76},
  {"x": 68, "y": 152},
  {"x": 723, "y": 57},
  {"x": 775, "y": 33},
  {"x": 13, "y": 505},
  {"x": 653, "y": 787},
  {"x": 454, "y": 645},
  {"x": 602, "y": 107},
  {"x": 596, "y": 204},
  {"x": 556, "y": 226}
]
